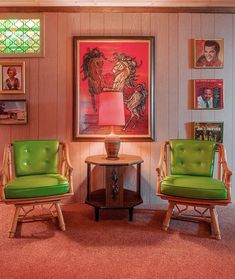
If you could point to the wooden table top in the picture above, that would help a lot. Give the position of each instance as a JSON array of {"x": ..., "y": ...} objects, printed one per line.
[{"x": 123, "y": 160}]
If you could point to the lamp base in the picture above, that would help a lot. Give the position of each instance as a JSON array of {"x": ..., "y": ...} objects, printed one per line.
[{"x": 112, "y": 146}]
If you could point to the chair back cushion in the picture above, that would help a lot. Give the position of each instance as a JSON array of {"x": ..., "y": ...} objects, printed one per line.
[
  {"x": 35, "y": 157},
  {"x": 192, "y": 157}
]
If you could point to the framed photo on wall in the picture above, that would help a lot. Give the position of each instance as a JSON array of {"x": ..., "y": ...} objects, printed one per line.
[
  {"x": 12, "y": 77},
  {"x": 13, "y": 112},
  {"x": 208, "y": 94},
  {"x": 113, "y": 76},
  {"x": 208, "y": 53},
  {"x": 209, "y": 131}
]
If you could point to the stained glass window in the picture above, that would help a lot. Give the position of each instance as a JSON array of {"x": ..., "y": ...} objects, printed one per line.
[{"x": 20, "y": 36}]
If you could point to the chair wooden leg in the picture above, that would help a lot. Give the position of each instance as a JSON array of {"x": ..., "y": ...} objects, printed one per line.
[
  {"x": 14, "y": 222},
  {"x": 166, "y": 221},
  {"x": 215, "y": 223},
  {"x": 60, "y": 216}
]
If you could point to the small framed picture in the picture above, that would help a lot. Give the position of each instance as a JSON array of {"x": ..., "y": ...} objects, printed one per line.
[
  {"x": 13, "y": 112},
  {"x": 12, "y": 77},
  {"x": 208, "y": 94},
  {"x": 209, "y": 53},
  {"x": 209, "y": 131}
]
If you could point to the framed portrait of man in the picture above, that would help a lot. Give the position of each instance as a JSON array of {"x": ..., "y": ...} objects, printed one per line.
[
  {"x": 208, "y": 94},
  {"x": 208, "y": 53}
]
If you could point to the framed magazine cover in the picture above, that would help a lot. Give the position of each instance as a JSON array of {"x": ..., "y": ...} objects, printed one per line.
[
  {"x": 104, "y": 66},
  {"x": 208, "y": 53},
  {"x": 208, "y": 94},
  {"x": 209, "y": 131}
]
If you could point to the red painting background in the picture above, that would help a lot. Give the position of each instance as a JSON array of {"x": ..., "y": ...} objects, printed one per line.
[{"x": 88, "y": 124}]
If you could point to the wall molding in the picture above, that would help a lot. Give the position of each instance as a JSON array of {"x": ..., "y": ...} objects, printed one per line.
[{"x": 108, "y": 9}]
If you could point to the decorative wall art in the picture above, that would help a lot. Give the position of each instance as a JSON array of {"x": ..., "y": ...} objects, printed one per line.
[
  {"x": 12, "y": 77},
  {"x": 13, "y": 112},
  {"x": 208, "y": 53},
  {"x": 209, "y": 131},
  {"x": 208, "y": 94},
  {"x": 107, "y": 66}
]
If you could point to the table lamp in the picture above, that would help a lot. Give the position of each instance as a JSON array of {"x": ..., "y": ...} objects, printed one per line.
[{"x": 111, "y": 113}]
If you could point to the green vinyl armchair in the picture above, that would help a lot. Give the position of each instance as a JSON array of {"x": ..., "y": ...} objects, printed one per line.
[
  {"x": 36, "y": 172},
  {"x": 185, "y": 179}
]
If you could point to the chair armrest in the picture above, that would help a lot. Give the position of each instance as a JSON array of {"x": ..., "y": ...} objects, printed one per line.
[
  {"x": 162, "y": 167},
  {"x": 6, "y": 170},
  {"x": 224, "y": 169},
  {"x": 66, "y": 167}
]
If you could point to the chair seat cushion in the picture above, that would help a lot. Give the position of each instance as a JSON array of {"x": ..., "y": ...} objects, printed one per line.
[
  {"x": 33, "y": 186},
  {"x": 195, "y": 187}
]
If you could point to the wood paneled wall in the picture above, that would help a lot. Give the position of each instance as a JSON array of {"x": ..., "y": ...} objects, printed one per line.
[{"x": 49, "y": 85}]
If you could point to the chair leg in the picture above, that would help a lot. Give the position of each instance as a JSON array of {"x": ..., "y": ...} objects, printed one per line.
[
  {"x": 60, "y": 216},
  {"x": 166, "y": 221},
  {"x": 215, "y": 223},
  {"x": 14, "y": 222}
]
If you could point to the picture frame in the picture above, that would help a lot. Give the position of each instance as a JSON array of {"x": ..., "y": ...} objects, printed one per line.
[
  {"x": 12, "y": 77},
  {"x": 110, "y": 65},
  {"x": 208, "y": 94},
  {"x": 209, "y": 131},
  {"x": 13, "y": 112},
  {"x": 208, "y": 53}
]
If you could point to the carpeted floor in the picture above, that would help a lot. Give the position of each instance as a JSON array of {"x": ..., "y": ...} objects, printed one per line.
[{"x": 116, "y": 248}]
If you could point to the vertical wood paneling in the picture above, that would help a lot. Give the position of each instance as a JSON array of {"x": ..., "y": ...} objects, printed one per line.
[
  {"x": 185, "y": 125},
  {"x": 173, "y": 76},
  {"x": 49, "y": 86},
  {"x": 61, "y": 77},
  {"x": 225, "y": 22},
  {"x": 196, "y": 73},
  {"x": 33, "y": 97}
]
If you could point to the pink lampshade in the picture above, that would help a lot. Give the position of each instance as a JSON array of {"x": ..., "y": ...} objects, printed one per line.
[{"x": 111, "y": 109}]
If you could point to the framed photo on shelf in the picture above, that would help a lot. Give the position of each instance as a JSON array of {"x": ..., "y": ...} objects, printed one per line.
[
  {"x": 208, "y": 53},
  {"x": 13, "y": 112},
  {"x": 12, "y": 77},
  {"x": 208, "y": 94},
  {"x": 113, "y": 76},
  {"x": 209, "y": 131}
]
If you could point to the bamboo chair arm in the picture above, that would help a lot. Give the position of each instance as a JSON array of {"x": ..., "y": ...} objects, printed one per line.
[
  {"x": 5, "y": 171},
  {"x": 162, "y": 167},
  {"x": 225, "y": 171},
  {"x": 66, "y": 167}
]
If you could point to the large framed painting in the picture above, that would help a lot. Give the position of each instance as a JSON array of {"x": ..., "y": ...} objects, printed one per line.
[
  {"x": 208, "y": 94},
  {"x": 208, "y": 53},
  {"x": 113, "y": 88}
]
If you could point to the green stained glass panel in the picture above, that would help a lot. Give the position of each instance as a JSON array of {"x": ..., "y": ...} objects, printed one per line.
[{"x": 20, "y": 36}]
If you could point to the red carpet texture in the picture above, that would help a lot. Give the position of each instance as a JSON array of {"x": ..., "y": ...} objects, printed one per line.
[{"x": 116, "y": 248}]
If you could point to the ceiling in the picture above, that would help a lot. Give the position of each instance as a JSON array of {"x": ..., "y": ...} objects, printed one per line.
[{"x": 133, "y": 3}]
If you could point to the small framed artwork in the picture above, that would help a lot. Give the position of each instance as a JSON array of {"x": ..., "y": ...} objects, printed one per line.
[
  {"x": 13, "y": 112},
  {"x": 209, "y": 53},
  {"x": 209, "y": 131},
  {"x": 113, "y": 88},
  {"x": 12, "y": 77},
  {"x": 208, "y": 94}
]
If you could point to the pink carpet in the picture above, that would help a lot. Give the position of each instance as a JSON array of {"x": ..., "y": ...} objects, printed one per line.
[{"x": 116, "y": 248}]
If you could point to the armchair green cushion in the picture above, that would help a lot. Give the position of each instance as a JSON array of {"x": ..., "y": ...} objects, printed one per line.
[
  {"x": 192, "y": 157},
  {"x": 33, "y": 186},
  {"x": 195, "y": 187},
  {"x": 36, "y": 157}
]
